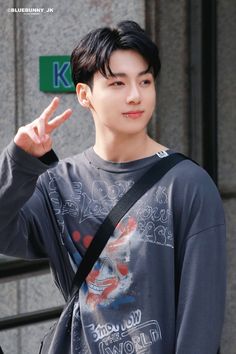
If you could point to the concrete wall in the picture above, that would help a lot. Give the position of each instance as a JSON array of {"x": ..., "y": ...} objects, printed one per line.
[
  {"x": 172, "y": 97},
  {"x": 26, "y": 37},
  {"x": 227, "y": 153},
  {"x": 8, "y": 99}
]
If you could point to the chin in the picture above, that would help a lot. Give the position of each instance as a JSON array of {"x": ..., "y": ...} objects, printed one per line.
[{"x": 132, "y": 130}]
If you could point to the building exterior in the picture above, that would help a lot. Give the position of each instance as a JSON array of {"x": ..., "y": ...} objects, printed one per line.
[{"x": 195, "y": 115}]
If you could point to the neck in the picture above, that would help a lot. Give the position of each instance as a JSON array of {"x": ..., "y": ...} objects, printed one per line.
[{"x": 126, "y": 148}]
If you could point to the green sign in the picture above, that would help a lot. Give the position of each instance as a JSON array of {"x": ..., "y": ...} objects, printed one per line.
[{"x": 55, "y": 74}]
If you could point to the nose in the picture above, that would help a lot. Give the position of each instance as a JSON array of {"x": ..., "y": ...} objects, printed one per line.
[{"x": 134, "y": 96}]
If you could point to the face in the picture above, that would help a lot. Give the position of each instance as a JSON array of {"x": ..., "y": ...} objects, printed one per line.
[{"x": 124, "y": 103}]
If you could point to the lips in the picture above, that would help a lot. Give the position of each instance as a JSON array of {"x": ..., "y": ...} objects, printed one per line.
[{"x": 133, "y": 114}]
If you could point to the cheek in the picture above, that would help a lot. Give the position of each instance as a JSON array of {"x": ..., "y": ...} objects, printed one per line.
[
  {"x": 151, "y": 100},
  {"x": 107, "y": 105},
  {"x": 103, "y": 98}
]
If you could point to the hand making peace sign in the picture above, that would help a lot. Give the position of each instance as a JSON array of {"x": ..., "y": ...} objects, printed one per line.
[{"x": 35, "y": 138}]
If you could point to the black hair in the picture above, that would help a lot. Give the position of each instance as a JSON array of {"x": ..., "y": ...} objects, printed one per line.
[{"x": 93, "y": 52}]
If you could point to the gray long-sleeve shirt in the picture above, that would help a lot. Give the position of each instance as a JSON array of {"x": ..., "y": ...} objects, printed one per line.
[{"x": 159, "y": 284}]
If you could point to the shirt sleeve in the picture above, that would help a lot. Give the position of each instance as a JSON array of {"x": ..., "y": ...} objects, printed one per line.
[
  {"x": 200, "y": 264},
  {"x": 21, "y": 203},
  {"x": 201, "y": 299}
]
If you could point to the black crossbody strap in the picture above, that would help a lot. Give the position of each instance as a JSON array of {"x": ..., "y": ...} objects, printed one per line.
[{"x": 106, "y": 229}]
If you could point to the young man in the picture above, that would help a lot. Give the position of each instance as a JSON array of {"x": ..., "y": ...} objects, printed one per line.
[{"x": 159, "y": 284}]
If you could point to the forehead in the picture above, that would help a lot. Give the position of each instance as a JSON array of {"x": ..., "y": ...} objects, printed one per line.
[
  {"x": 127, "y": 60},
  {"x": 125, "y": 63}
]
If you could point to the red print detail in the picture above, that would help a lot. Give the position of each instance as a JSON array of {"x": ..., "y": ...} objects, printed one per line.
[
  {"x": 87, "y": 240},
  {"x": 76, "y": 236},
  {"x": 108, "y": 286},
  {"x": 122, "y": 268},
  {"x": 127, "y": 228}
]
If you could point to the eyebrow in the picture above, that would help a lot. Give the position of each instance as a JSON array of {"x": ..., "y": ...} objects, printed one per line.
[{"x": 148, "y": 70}]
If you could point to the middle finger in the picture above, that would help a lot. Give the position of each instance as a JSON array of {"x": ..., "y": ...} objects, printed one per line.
[{"x": 48, "y": 112}]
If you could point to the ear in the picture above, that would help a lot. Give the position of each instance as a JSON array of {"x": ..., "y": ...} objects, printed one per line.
[{"x": 82, "y": 92}]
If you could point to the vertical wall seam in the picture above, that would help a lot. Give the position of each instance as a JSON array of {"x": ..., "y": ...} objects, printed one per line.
[
  {"x": 15, "y": 69},
  {"x": 150, "y": 8},
  {"x": 209, "y": 87},
  {"x": 19, "y": 67}
]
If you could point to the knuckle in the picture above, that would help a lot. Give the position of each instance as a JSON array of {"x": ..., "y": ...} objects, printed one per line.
[
  {"x": 41, "y": 118},
  {"x": 22, "y": 129}
]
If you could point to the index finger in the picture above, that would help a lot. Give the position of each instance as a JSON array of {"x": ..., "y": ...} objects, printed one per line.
[{"x": 57, "y": 121}]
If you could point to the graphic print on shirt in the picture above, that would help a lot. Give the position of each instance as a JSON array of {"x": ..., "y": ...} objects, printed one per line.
[
  {"x": 149, "y": 221},
  {"x": 110, "y": 278},
  {"x": 84, "y": 205},
  {"x": 132, "y": 335},
  {"x": 155, "y": 223}
]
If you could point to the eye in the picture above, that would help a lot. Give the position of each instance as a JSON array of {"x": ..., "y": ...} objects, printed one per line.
[
  {"x": 146, "y": 82},
  {"x": 117, "y": 83}
]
